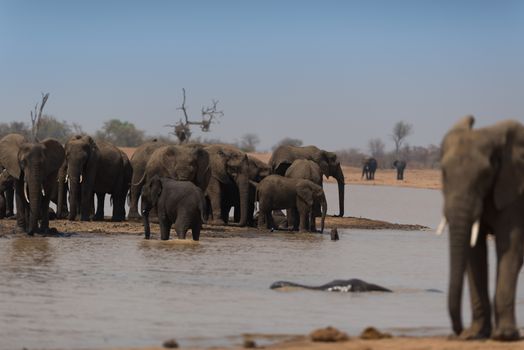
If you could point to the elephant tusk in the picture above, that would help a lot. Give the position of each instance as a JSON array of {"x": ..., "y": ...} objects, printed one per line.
[
  {"x": 66, "y": 179},
  {"x": 26, "y": 192},
  {"x": 81, "y": 178},
  {"x": 441, "y": 226},
  {"x": 475, "y": 233}
]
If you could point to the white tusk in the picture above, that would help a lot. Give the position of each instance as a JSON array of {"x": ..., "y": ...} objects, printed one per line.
[
  {"x": 66, "y": 179},
  {"x": 81, "y": 178},
  {"x": 43, "y": 192},
  {"x": 441, "y": 226},
  {"x": 475, "y": 233},
  {"x": 26, "y": 194}
]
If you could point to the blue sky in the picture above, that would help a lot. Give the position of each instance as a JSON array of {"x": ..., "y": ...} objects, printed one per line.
[{"x": 332, "y": 73}]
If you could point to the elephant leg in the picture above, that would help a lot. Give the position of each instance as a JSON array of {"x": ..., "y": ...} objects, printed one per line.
[
  {"x": 147, "y": 227},
  {"x": 9, "y": 201},
  {"x": 292, "y": 218},
  {"x": 21, "y": 205},
  {"x": 119, "y": 211},
  {"x": 165, "y": 228},
  {"x": 99, "y": 215},
  {"x": 215, "y": 194},
  {"x": 2, "y": 205},
  {"x": 478, "y": 289},
  {"x": 303, "y": 214},
  {"x": 195, "y": 230},
  {"x": 134, "y": 194},
  {"x": 44, "y": 215},
  {"x": 509, "y": 258}
]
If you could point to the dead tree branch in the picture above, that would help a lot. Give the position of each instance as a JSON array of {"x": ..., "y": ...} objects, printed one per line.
[{"x": 37, "y": 116}]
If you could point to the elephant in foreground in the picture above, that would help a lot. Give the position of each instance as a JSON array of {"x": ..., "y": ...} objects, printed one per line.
[
  {"x": 94, "y": 167},
  {"x": 298, "y": 195},
  {"x": 285, "y": 155},
  {"x": 229, "y": 183},
  {"x": 400, "y": 165},
  {"x": 309, "y": 170},
  {"x": 181, "y": 203},
  {"x": 34, "y": 168},
  {"x": 483, "y": 187},
  {"x": 369, "y": 167},
  {"x": 139, "y": 161}
]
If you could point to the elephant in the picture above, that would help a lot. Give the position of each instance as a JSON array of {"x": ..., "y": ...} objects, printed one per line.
[
  {"x": 342, "y": 286},
  {"x": 369, "y": 167},
  {"x": 284, "y": 155},
  {"x": 188, "y": 162},
  {"x": 6, "y": 186},
  {"x": 279, "y": 192},
  {"x": 257, "y": 170},
  {"x": 483, "y": 188},
  {"x": 229, "y": 184},
  {"x": 400, "y": 165},
  {"x": 34, "y": 167},
  {"x": 181, "y": 203},
  {"x": 94, "y": 167},
  {"x": 309, "y": 170},
  {"x": 138, "y": 163}
]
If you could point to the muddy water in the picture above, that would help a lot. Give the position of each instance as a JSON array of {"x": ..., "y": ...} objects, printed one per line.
[{"x": 95, "y": 290}]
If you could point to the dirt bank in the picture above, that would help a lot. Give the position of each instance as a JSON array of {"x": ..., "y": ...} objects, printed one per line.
[{"x": 135, "y": 227}]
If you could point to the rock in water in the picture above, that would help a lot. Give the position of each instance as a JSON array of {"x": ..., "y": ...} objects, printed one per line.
[
  {"x": 329, "y": 334},
  {"x": 334, "y": 234}
]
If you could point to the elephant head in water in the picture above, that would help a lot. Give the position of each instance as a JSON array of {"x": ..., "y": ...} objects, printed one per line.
[{"x": 483, "y": 186}]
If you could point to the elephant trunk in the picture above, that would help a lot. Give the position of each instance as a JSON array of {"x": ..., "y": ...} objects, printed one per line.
[
  {"x": 243, "y": 190},
  {"x": 34, "y": 180},
  {"x": 60, "y": 205},
  {"x": 460, "y": 228},
  {"x": 323, "y": 205},
  {"x": 339, "y": 176}
]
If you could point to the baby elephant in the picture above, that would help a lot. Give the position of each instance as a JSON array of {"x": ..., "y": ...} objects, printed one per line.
[
  {"x": 181, "y": 203},
  {"x": 279, "y": 192}
]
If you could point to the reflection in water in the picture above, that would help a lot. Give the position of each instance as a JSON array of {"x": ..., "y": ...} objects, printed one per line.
[{"x": 91, "y": 291}]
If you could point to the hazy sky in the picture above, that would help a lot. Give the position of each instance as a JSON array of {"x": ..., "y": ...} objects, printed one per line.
[{"x": 332, "y": 73}]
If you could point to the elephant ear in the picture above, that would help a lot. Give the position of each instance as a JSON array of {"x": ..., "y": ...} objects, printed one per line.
[
  {"x": 9, "y": 147},
  {"x": 55, "y": 155},
  {"x": 204, "y": 170},
  {"x": 323, "y": 163},
  {"x": 305, "y": 193},
  {"x": 219, "y": 164},
  {"x": 509, "y": 184}
]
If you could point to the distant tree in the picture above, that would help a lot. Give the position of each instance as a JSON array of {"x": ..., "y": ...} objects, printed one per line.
[
  {"x": 249, "y": 142},
  {"x": 120, "y": 133},
  {"x": 15, "y": 128},
  {"x": 401, "y": 130},
  {"x": 376, "y": 148},
  {"x": 288, "y": 141},
  {"x": 351, "y": 156},
  {"x": 51, "y": 127}
]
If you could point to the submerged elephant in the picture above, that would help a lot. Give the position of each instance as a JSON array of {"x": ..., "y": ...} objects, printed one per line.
[
  {"x": 34, "y": 167},
  {"x": 343, "y": 286},
  {"x": 139, "y": 161},
  {"x": 285, "y": 155},
  {"x": 400, "y": 165},
  {"x": 483, "y": 187},
  {"x": 95, "y": 167},
  {"x": 298, "y": 195},
  {"x": 178, "y": 203},
  {"x": 369, "y": 167}
]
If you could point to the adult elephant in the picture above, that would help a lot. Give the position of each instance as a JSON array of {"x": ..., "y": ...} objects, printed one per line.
[
  {"x": 309, "y": 170},
  {"x": 285, "y": 155},
  {"x": 34, "y": 167},
  {"x": 257, "y": 170},
  {"x": 229, "y": 178},
  {"x": 179, "y": 162},
  {"x": 139, "y": 161},
  {"x": 94, "y": 167},
  {"x": 6, "y": 186},
  {"x": 298, "y": 195},
  {"x": 483, "y": 187},
  {"x": 369, "y": 167},
  {"x": 400, "y": 165}
]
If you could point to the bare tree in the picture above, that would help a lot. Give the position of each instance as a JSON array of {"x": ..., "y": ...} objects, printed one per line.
[
  {"x": 37, "y": 116},
  {"x": 401, "y": 130},
  {"x": 249, "y": 142},
  {"x": 182, "y": 129},
  {"x": 376, "y": 148}
]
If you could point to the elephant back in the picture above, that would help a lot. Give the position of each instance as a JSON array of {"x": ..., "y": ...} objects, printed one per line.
[
  {"x": 305, "y": 169},
  {"x": 285, "y": 155}
]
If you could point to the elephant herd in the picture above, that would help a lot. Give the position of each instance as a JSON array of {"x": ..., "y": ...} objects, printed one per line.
[
  {"x": 182, "y": 185},
  {"x": 369, "y": 167}
]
